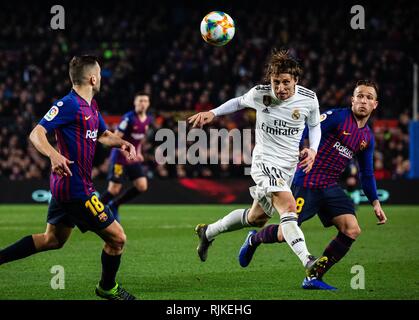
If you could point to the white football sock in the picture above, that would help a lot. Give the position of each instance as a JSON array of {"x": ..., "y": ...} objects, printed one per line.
[
  {"x": 294, "y": 236},
  {"x": 236, "y": 219}
]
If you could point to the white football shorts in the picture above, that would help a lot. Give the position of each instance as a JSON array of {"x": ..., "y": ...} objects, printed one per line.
[{"x": 268, "y": 178}]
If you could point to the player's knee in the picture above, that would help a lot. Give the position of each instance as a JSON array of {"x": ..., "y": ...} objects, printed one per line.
[
  {"x": 260, "y": 222},
  {"x": 114, "y": 189},
  {"x": 141, "y": 184},
  {"x": 290, "y": 208},
  {"x": 257, "y": 218},
  {"x": 355, "y": 232},
  {"x": 352, "y": 231},
  {"x": 118, "y": 241},
  {"x": 142, "y": 187},
  {"x": 52, "y": 242}
]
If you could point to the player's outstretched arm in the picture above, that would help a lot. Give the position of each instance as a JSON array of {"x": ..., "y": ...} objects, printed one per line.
[
  {"x": 202, "y": 118},
  {"x": 111, "y": 139},
  {"x": 59, "y": 163}
]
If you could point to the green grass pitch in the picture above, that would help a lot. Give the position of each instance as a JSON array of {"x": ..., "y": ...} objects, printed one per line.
[{"x": 160, "y": 260}]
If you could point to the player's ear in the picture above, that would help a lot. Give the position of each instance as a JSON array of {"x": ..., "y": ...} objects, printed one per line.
[
  {"x": 93, "y": 79},
  {"x": 296, "y": 79}
]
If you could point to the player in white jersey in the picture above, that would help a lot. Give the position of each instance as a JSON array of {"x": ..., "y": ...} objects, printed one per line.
[{"x": 282, "y": 110}]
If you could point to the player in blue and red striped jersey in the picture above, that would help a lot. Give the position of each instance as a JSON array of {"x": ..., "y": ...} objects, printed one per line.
[
  {"x": 78, "y": 125},
  {"x": 345, "y": 133},
  {"x": 133, "y": 128}
]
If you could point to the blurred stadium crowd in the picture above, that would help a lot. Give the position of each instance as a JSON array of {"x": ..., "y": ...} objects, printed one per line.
[{"x": 169, "y": 60}]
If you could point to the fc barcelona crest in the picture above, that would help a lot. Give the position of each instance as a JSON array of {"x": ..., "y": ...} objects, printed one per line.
[
  {"x": 103, "y": 217},
  {"x": 295, "y": 114},
  {"x": 363, "y": 145},
  {"x": 267, "y": 100}
]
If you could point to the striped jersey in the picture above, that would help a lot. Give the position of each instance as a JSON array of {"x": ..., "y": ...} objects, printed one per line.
[
  {"x": 134, "y": 131},
  {"x": 341, "y": 141},
  {"x": 76, "y": 125}
]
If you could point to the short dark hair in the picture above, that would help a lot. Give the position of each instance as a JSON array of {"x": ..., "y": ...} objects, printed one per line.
[
  {"x": 367, "y": 83},
  {"x": 141, "y": 93},
  {"x": 282, "y": 62},
  {"x": 78, "y": 66}
]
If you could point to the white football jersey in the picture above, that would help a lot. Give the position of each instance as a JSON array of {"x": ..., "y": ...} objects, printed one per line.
[{"x": 280, "y": 124}]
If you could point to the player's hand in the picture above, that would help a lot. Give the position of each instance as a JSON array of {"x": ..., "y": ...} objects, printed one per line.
[
  {"x": 307, "y": 155},
  {"x": 379, "y": 213},
  {"x": 129, "y": 150},
  {"x": 201, "y": 118},
  {"x": 59, "y": 165}
]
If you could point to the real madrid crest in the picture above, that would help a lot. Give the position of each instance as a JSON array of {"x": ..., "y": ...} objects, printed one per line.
[
  {"x": 295, "y": 114},
  {"x": 280, "y": 182},
  {"x": 267, "y": 100}
]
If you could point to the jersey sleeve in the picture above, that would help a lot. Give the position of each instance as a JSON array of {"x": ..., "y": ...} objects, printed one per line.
[
  {"x": 248, "y": 99},
  {"x": 304, "y": 137},
  {"x": 365, "y": 160},
  {"x": 330, "y": 120},
  {"x": 102, "y": 125},
  {"x": 60, "y": 114},
  {"x": 124, "y": 124},
  {"x": 314, "y": 115}
]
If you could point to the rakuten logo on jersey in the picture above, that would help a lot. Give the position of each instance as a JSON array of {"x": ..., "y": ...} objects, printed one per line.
[
  {"x": 343, "y": 150},
  {"x": 91, "y": 134}
]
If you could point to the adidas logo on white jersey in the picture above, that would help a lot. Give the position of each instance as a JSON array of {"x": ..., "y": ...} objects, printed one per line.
[{"x": 266, "y": 110}]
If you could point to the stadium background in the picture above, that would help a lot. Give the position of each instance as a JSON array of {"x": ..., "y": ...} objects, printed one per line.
[
  {"x": 161, "y": 52},
  {"x": 158, "y": 49}
]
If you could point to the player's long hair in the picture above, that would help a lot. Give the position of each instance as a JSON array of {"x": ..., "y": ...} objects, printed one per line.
[{"x": 282, "y": 62}]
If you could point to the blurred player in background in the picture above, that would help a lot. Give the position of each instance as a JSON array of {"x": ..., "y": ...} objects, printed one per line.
[
  {"x": 132, "y": 128},
  {"x": 345, "y": 133},
  {"x": 77, "y": 124},
  {"x": 282, "y": 110}
]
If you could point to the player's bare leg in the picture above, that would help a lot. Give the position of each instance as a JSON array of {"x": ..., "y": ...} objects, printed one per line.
[
  {"x": 349, "y": 230},
  {"x": 140, "y": 185},
  {"x": 235, "y": 220},
  {"x": 54, "y": 237},
  {"x": 113, "y": 190},
  {"x": 115, "y": 238}
]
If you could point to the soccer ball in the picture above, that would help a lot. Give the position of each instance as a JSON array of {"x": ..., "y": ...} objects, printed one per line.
[{"x": 217, "y": 28}]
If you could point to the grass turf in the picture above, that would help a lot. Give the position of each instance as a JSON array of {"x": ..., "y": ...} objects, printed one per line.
[{"x": 160, "y": 260}]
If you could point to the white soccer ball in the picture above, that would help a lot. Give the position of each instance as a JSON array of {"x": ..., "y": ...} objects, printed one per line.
[{"x": 217, "y": 28}]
